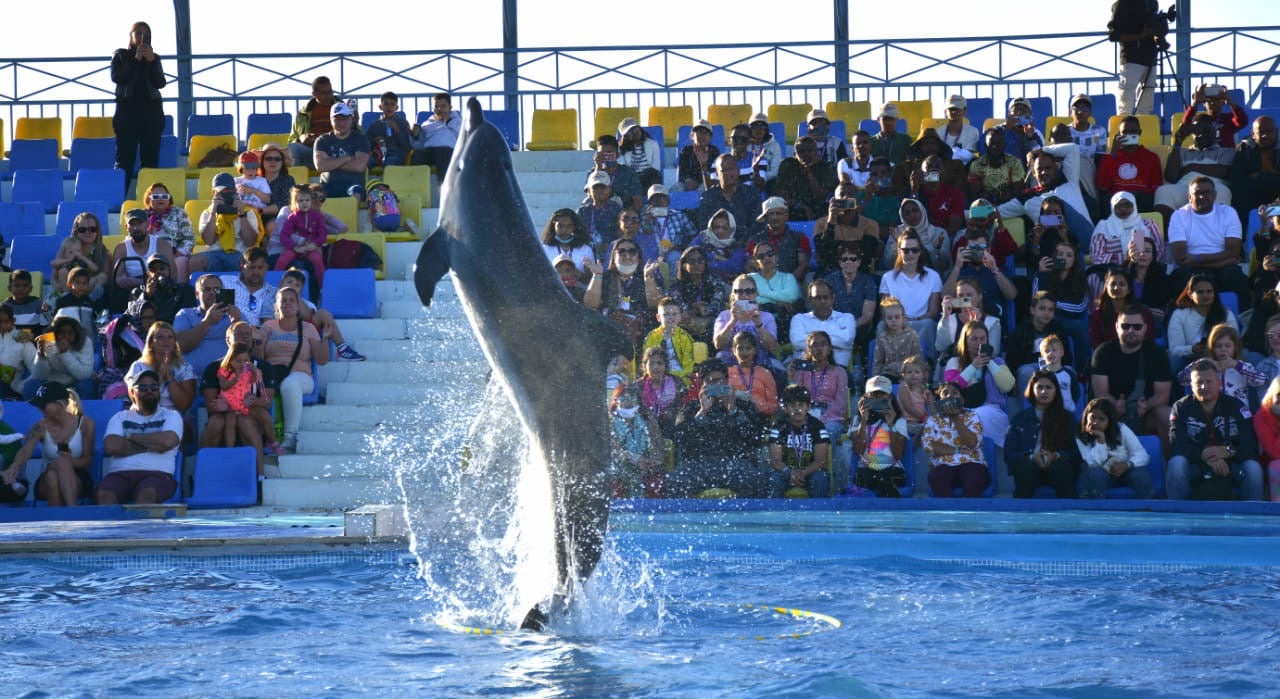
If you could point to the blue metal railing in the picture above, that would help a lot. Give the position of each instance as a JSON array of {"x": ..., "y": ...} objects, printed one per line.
[{"x": 998, "y": 67}]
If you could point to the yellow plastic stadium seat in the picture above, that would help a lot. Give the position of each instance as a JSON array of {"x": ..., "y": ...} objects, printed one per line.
[
  {"x": 991, "y": 123},
  {"x": 111, "y": 241},
  {"x": 791, "y": 116},
  {"x": 915, "y": 111},
  {"x": 258, "y": 140},
  {"x": 92, "y": 127},
  {"x": 377, "y": 241},
  {"x": 554, "y": 129},
  {"x": 1163, "y": 151},
  {"x": 202, "y": 145},
  {"x": 344, "y": 209},
  {"x": 1150, "y": 129},
  {"x": 173, "y": 178},
  {"x": 193, "y": 209},
  {"x": 728, "y": 115},
  {"x": 410, "y": 210},
  {"x": 124, "y": 209},
  {"x": 409, "y": 179},
  {"x": 932, "y": 123},
  {"x": 1017, "y": 230},
  {"x": 1053, "y": 121},
  {"x": 607, "y": 119},
  {"x": 1156, "y": 217},
  {"x": 851, "y": 113},
  {"x": 204, "y": 179},
  {"x": 39, "y": 127},
  {"x": 670, "y": 119},
  {"x": 37, "y": 282}
]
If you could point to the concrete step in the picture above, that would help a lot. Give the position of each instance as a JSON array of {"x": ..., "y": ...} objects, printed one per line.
[
  {"x": 412, "y": 309},
  {"x": 333, "y": 443},
  {"x": 328, "y": 493},
  {"x": 429, "y": 403},
  {"x": 405, "y": 373},
  {"x": 328, "y": 466},
  {"x": 357, "y": 329},
  {"x": 552, "y": 161},
  {"x": 552, "y": 182},
  {"x": 400, "y": 394}
]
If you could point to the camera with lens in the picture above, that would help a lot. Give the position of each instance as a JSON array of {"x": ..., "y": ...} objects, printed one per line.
[
  {"x": 1160, "y": 22},
  {"x": 974, "y": 253},
  {"x": 718, "y": 390},
  {"x": 947, "y": 406},
  {"x": 877, "y": 408},
  {"x": 226, "y": 202},
  {"x": 803, "y": 365},
  {"x": 846, "y": 204},
  {"x": 1058, "y": 264}
]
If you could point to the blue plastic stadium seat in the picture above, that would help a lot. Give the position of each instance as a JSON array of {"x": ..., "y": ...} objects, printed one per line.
[
  {"x": 21, "y": 218},
  {"x": 68, "y": 210},
  {"x": 269, "y": 123},
  {"x": 225, "y": 477},
  {"x": 871, "y": 126},
  {"x": 96, "y": 184},
  {"x": 168, "y": 154},
  {"x": 41, "y": 186},
  {"x": 1041, "y": 109},
  {"x": 978, "y": 110},
  {"x": 507, "y": 121},
  {"x": 210, "y": 125},
  {"x": 684, "y": 137},
  {"x": 366, "y": 119},
  {"x": 93, "y": 153},
  {"x": 32, "y": 154},
  {"x": 806, "y": 227},
  {"x": 101, "y": 412},
  {"x": 33, "y": 253},
  {"x": 657, "y": 134},
  {"x": 349, "y": 293},
  {"x": 685, "y": 201},
  {"x": 837, "y": 130},
  {"x": 1230, "y": 300},
  {"x": 1156, "y": 464}
]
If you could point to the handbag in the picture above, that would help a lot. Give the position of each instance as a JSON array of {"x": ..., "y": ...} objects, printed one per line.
[{"x": 283, "y": 370}]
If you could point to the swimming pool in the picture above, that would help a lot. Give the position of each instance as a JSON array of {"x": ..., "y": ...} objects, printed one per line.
[{"x": 1074, "y": 604}]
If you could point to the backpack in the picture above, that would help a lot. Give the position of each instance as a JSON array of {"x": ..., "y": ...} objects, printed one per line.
[
  {"x": 221, "y": 156},
  {"x": 121, "y": 347},
  {"x": 384, "y": 208},
  {"x": 350, "y": 254}
]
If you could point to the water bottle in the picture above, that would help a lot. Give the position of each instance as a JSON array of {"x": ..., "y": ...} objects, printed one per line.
[{"x": 858, "y": 372}]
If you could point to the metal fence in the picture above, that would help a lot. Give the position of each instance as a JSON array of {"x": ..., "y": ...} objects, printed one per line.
[{"x": 998, "y": 67}]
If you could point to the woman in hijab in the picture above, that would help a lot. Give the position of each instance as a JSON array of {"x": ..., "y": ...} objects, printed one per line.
[
  {"x": 726, "y": 256},
  {"x": 937, "y": 243},
  {"x": 1110, "y": 242}
]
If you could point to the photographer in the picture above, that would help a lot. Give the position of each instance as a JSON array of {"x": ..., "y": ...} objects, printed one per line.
[
  {"x": 981, "y": 254},
  {"x": 128, "y": 258},
  {"x": 161, "y": 291},
  {"x": 983, "y": 378},
  {"x": 716, "y": 438},
  {"x": 844, "y": 225},
  {"x": 952, "y": 439},
  {"x": 228, "y": 227},
  {"x": 1139, "y": 27},
  {"x": 201, "y": 330},
  {"x": 879, "y": 436}
]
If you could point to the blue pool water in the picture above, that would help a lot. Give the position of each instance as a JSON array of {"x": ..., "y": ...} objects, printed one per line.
[{"x": 953, "y": 604}]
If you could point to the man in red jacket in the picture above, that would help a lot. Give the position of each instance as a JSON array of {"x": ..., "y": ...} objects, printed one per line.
[{"x": 1130, "y": 167}]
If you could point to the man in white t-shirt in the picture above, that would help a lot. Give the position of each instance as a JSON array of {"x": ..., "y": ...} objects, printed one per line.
[
  {"x": 143, "y": 445},
  {"x": 840, "y": 327},
  {"x": 1204, "y": 236}
]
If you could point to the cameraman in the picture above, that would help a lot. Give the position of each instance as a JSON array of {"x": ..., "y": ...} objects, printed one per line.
[
  {"x": 167, "y": 296},
  {"x": 716, "y": 438},
  {"x": 228, "y": 227},
  {"x": 1134, "y": 25}
]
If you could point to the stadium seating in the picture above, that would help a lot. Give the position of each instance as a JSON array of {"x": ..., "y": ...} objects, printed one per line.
[
  {"x": 269, "y": 124},
  {"x": 39, "y": 127},
  {"x": 729, "y": 115},
  {"x": 684, "y": 137},
  {"x": 684, "y": 201},
  {"x": 92, "y": 153},
  {"x": 368, "y": 118},
  {"x": 849, "y": 112},
  {"x": 33, "y": 154},
  {"x": 37, "y": 279},
  {"x": 554, "y": 129},
  {"x": 225, "y": 477},
  {"x": 978, "y": 109},
  {"x": 410, "y": 210},
  {"x": 96, "y": 184},
  {"x": 21, "y": 218},
  {"x": 1104, "y": 107},
  {"x": 193, "y": 207},
  {"x": 349, "y": 293},
  {"x": 210, "y": 125},
  {"x": 33, "y": 253},
  {"x": 1270, "y": 98},
  {"x": 344, "y": 209},
  {"x": 92, "y": 127},
  {"x": 913, "y": 112},
  {"x": 174, "y": 179},
  {"x": 838, "y": 130},
  {"x": 656, "y": 133},
  {"x": 377, "y": 241},
  {"x": 204, "y": 180},
  {"x": 42, "y": 186},
  {"x": 507, "y": 121},
  {"x": 258, "y": 140},
  {"x": 409, "y": 179},
  {"x": 202, "y": 145},
  {"x": 1041, "y": 109},
  {"x": 791, "y": 116},
  {"x": 671, "y": 119},
  {"x": 607, "y": 119},
  {"x": 1150, "y": 124},
  {"x": 68, "y": 210}
]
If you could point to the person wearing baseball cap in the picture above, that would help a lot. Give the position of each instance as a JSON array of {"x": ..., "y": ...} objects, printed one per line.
[
  {"x": 626, "y": 183},
  {"x": 227, "y": 227},
  {"x": 311, "y": 122},
  {"x": 697, "y": 160},
  {"x": 138, "y": 246},
  {"x": 142, "y": 442},
  {"x": 799, "y": 448},
  {"x": 639, "y": 152},
  {"x": 765, "y": 150},
  {"x": 890, "y": 142},
  {"x": 831, "y": 148},
  {"x": 1021, "y": 134},
  {"x": 600, "y": 210},
  {"x": 342, "y": 155},
  {"x": 670, "y": 227},
  {"x": 879, "y": 439},
  {"x": 1086, "y": 132},
  {"x": 958, "y": 132},
  {"x": 791, "y": 246}
]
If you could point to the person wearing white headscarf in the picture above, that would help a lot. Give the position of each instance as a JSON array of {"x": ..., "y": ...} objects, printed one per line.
[
  {"x": 935, "y": 238},
  {"x": 1112, "y": 235},
  {"x": 726, "y": 256}
]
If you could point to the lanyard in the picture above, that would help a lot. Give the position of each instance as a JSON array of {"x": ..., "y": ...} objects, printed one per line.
[
  {"x": 752, "y": 379},
  {"x": 815, "y": 389}
]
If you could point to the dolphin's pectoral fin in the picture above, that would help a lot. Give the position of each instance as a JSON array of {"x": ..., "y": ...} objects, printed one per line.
[
  {"x": 609, "y": 338},
  {"x": 535, "y": 620},
  {"x": 433, "y": 264}
]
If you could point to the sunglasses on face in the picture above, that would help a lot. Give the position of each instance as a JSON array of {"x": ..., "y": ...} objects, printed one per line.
[
  {"x": 851, "y": 259},
  {"x": 147, "y": 388},
  {"x": 909, "y": 251},
  {"x": 160, "y": 196},
  {"x": 273, "y": 159},
  {"x": 628, "y": 251},
  {"x": 745, "y": 292},
  {"x": 1132, "y": 326}
]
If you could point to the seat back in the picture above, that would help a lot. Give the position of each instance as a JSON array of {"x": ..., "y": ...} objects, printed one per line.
[
  {"x": 607, "y": 119},
  {"x": 94, "y": 153},
  {"x": 204, "y": 180},
  {"x": 225, "y": 477},
  {"x": 871, "y": 126},
  {"x": 1230, "y": 301},
  {"x": 684, "y": 137},
  {"x": 39, "y": 127},
  {"x": 1150, "y": 124},
  {"x": 1151, "y": 443},
  {"x": 978, "y": 109},
  {"x": 554, "y": 129},
  {"x": 173, "y": 178},
  {"x": 193, "y": 207},
  {"x": 37, "y": 280},
  {"x": 269, "y": 124},
  {"x": 258, "y": 140},
  {"x": 21, "y": 218},
  {"x": 33, "y": 154},
  {"x": 344, "y": 209},
  {"x": 92, "y": 127},
  {"x": 101, "y": 412},
  {"x": 409, "y": 179},
  {"x": 913, "y": 112},
  {"x": 33, "y": 253},
  {"x": 350, "y": 293},
  {"x": 684, "y": 201},
  {"x": 656, "y": 133},
  {"x": 69, "y": 210},
  {"x": 838, "y": 130},
  {"x": 1041, "y": 109},
  {"x": 40, "y": 186},
  {"x": 1104, "y": 107},
  {"x": 210, "y": 125},
  {"x": 100, "y": 184},
  {"x": 791, "y": 116},
  {"x": 729, "y": 115},
  {"x": 377, "y": 241},
  {"x": 201, "y": 145},
  {"x": 507, "y": 121},
  {"x": 849, "y": 112},
  {"x": 1053, "y": 121},
  {"x": 670, "y": 119}
]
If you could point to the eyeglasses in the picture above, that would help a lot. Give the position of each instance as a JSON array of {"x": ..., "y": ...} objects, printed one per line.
[
  {"x": 746, "y": 292},
  {"x": 86, "y": 229},
  {"x": 631, "y": 219},
  {"x": 695, "y": 260},
  {"x": 147, "y": 388},
  {"x": 160, "y": 196},
  {"x": 909, "y": 251},
  {"x": 1132, "y": 326},
  {"x": 628, "y": 251},
  {"x": 767, "y": 253},
  {"x": 851, "y": 259},
  {"x": 273, "y": 159}
]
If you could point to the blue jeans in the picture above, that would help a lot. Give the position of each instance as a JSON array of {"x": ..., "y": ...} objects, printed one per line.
[
  {"x": 221, "y": 261},
  {"x": 1096, "y": 480},
  {"x": 818, "y": 484},
  {"x": 1247, "y": 475}
]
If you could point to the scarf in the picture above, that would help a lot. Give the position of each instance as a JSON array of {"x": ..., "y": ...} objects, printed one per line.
[
  {"x": 922, "y": 229},
  {"x": 714, "y": 240},
  {"x": 1123, "y": 229}
]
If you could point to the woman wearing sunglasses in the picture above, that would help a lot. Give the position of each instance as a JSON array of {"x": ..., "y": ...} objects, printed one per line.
[
  {"x": 83, "y": 248},
  {"x": 169, "y": 222}
]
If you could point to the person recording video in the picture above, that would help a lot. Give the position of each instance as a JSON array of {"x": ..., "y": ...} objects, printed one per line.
[{"x": 1139, "y": 27}]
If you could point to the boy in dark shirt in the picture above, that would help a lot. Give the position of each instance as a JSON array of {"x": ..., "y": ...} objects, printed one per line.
[
  {"x": 799, "y": 447},
  {"x": 76, "y": 303},
  {"x": 28, "y": 310}
]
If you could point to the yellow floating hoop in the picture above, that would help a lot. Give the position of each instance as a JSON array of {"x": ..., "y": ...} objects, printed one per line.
[
  {"x": 830, "y": 622},
  {"x": 469, "y": 630}
]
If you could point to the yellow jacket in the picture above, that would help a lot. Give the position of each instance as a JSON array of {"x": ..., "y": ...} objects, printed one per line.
[{"x": 683, "y": 343}]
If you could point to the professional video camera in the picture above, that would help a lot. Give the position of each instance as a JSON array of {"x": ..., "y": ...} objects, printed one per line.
[{"x": 1160, "y": 22}]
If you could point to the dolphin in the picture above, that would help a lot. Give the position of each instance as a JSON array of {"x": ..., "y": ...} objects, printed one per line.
[{"x": 547, "y": 351}]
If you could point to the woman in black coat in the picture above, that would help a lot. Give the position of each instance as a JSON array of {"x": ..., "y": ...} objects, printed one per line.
[{"x": 139, "y": 117}]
